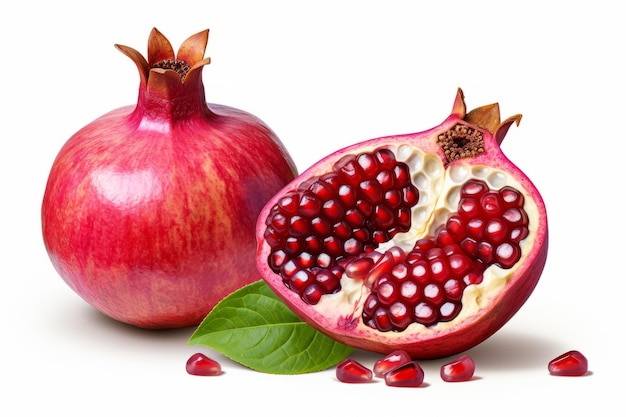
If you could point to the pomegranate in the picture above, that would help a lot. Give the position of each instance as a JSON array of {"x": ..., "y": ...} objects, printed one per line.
[
  {"x": 427, "y": 242},
  {"x": 146, "y": 206}
]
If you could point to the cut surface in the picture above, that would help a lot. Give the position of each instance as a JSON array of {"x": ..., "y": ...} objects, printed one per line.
[
  {"x": 394, "y": 229},
  {"x": 426, "y": 242}
]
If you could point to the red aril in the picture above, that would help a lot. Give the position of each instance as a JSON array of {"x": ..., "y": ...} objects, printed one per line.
[
  {"x": 150, "y": 210},
  {"x": 410, "y": 374},
  {"x": 572, "y": 363},
  {"x": 389, "y": 362},
  {"x": 353, "y": 372},
  {"x": 458, "y": 370},
  {"x": 201, "y": 365},
  {"x": 426, "y": 242}
]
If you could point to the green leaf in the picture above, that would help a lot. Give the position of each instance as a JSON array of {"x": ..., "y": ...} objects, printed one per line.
[{"x": 254, "y": 327}]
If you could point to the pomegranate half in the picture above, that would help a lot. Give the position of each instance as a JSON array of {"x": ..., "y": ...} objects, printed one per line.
[
  {"x": 149, "y": 211},
  {"x": 427, "y": 242}
]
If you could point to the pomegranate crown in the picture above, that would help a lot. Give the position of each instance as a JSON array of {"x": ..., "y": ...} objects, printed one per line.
[
  {"x": 163, "y": 66},
  {"x": 486, "y": 117}
]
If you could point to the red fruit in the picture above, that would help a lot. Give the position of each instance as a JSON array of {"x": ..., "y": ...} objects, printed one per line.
[
  {"x": 353, "y": 372},
  {"x": 436, "y": 239},
  {"x": 572, "y": 363},
  {"x": 391, "y": 361},
  {"x": 458, "y": 370},
  {"x": 408, "y": 375},
  {"x": 201, "y": 365},
  {"x": 145, "y": 206}
]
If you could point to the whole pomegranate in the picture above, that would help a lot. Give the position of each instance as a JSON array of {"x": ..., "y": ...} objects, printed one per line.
[
  {"x": 425, "y": 242},
  {"x": 149, "y": 211}
]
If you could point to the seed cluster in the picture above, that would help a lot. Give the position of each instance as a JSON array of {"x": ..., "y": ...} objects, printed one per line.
[
  {"x": 426, "y": 285},
  {"x": 178, "y": 65},
  {"x": 461, "y": 141},
  {"x": 362, "y": 202}
]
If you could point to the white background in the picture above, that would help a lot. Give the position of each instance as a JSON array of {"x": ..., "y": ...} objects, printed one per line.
[{"x": 324, "y": 74}]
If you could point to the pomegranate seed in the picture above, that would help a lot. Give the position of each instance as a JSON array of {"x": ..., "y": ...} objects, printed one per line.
[
  {"x": 458, "y": 370},
  {"x": 400, "y": 316},
  {"x": 359, "y": 267},
  {"x": 201, "y": 365},
  {"x": 352, "y": 372},
  {"x": 409, "y": 292},
  {"x": 367, "y": 162},
  {"x": 473, "y": 189},
  {"x": 349, "y": 169},
  {"x": 408, "y": 375},
  {"x": 289, "y": 203},
  {"x": 385, "y": 158},
  {"x": 390, "y": 362},
  {"x": 572, "y": 363},
  {"x": 309, "y": 205},
  {"x": 322, "y": 190}
]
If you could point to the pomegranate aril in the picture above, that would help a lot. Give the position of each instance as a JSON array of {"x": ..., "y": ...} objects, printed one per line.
[
  {"x": 300, "y": 280},
  {"x": 347, "y": 195},
  {"x": 383, "y": 217},
  {"x": 320, "y": 227},
  {"x": 448, "y": 311},
  {"x": 408, "y": 375},
  {"x": 458, "y": 370},
  {"x": 327, "y": 281},
  {"x": 387, "y": 293},
  {"x": 507, "y": 255},
  {"x": 289, "y": 204},
  {"x": 393, "y": 199},
  {"x": 201, "y": 365},
  {"x": 368, "y": 164},
  {"x": 409, "y": 291},
  {"x": 299, "y": 226},
  {"x": 491, "y": 204},
  {"x": 410, "y": 196},
  {"x": 496, "y": 230},
  {"x": 392, "y": 361},
  {"x": 474, "y": 188},
  {"x": 359, "y": 267},
  {"x": 382, "y": 320},
  {"x": 322, "y": 190},
  {"x": 453, "y": 289},
  {"x": 425, "y": 314},
  {"x": 349, "y": 170},
  {"x": 292, "y": 245},
  {"x": 572, "y": 363},
  {"x": 313, "y": 293},
  {"x": 468, "y": 208},
  {"x": 511, "y": 197},
  {"x": 386, "y": 180},
  {"x": 400, "y": 316},
  {"x": 309, "y": 205},
  {"x": 353, "y": 372},
  {"x": 277, "y": 259},
  {"x": 333, "y": 210},
  {"x": 386, "y": 158},
  {"x": 402, "y": 175}
]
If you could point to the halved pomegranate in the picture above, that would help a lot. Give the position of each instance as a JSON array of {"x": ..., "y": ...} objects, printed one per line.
[{"x": 427, "y": 242}]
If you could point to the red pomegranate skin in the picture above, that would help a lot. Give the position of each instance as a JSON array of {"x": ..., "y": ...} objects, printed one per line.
[
  {"x": 460, "y": 334},
  {"x": 148, "y": 209}
]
